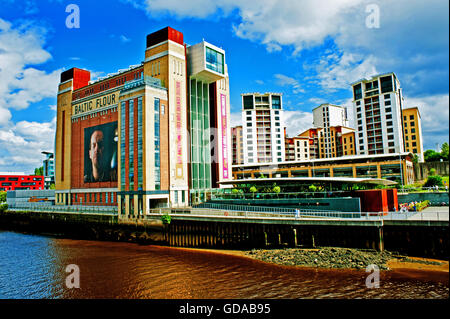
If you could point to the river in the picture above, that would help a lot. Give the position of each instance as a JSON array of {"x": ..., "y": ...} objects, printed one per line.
[{"x": 34, "y": 267}]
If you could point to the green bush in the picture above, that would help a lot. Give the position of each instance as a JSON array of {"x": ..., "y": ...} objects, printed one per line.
[
  {"x": 166, "y": 219},
  {"x": 434, "y": 180},
  {"x": 3, "y": 207},
  {"x": 2, "y": 197},
  {"x": 432, "y": 172}
]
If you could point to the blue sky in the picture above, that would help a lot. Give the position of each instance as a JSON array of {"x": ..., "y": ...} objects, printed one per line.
[{"x": 308, "y": 50}]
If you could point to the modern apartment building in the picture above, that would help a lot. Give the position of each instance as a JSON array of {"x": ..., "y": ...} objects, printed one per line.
[
  {"x": 330, "y": 118},
  {"x": 377, "y": 109},
  {"x": 238, "y": 145},
  {"x": 141, "y": 138},
  {"x": 49, "y": 169},
  {"x": 335, "y": 141},
  {"x": 412, "y": 129},
  {"x": 263, "y": 128}
]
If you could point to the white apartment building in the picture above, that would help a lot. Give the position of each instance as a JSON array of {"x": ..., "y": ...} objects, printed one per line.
[
  {"x": 263, "y": 128},
  {"x": 326, "y": 116},
  {"x": 377, "y": 110}
]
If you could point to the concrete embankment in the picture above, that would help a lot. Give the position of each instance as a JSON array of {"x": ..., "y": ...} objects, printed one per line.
[{"x": 83, "y": 226}]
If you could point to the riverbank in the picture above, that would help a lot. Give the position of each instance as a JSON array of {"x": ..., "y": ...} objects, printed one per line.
[{"x": 337, "y": 258}]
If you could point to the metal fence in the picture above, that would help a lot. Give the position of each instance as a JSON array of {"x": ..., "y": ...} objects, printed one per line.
[
  {"x": 206, "y": 212},
  {"x": 107, "y": 210},
  {"x": 260, "y": 208}
]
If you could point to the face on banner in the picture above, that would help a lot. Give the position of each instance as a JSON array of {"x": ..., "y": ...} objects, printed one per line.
[{"x": 100, "y": 153}]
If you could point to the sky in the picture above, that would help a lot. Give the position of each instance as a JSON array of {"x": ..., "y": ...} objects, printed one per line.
[{"x": 308, "y": 50}]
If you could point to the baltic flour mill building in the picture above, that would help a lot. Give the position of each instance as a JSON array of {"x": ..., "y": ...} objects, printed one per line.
[{"x": 154, "y": 135}]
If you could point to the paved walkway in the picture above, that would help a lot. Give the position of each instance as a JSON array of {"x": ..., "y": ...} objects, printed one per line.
[{"x": 432, "y": 213}]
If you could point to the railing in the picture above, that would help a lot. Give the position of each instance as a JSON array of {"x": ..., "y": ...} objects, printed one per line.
[
  {"x": 259, "y": 208},
  {"x": 343, "y": 216},
  {"x": 107, "y": 210}
]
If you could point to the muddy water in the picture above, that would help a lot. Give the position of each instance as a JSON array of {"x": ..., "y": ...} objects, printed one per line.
[{"x": 33, "y": 266}]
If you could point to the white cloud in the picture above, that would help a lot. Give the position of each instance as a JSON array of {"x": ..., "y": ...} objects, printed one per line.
[
  {"x": 22, "y": 144},
  {"x": 297, "y": 121},
  {"x": 21, "y": 84},
  {"x": 284, "y": 80},
  {"x": 336, "y": 72},
  {"x": 236, "y": 119},
  {"x": 124, "y": 39},
  {"x": 434, "y": 111}
]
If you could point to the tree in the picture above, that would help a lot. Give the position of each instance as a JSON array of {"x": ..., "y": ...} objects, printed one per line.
[
  {"x": 444, "y": 151},
  {"x": 434, "y": 180},
  {"x": 2, "y": 197},
  {"x": 312, "y": 188},
  {"x": 276, "y": 189},
  {"x": 253, "y": 190},
  {"x": 431, "y": 156},
  {"x": 39, "y": 171}
]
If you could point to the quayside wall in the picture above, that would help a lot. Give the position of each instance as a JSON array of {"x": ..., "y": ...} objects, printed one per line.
[{"x": 413, "y": 238}]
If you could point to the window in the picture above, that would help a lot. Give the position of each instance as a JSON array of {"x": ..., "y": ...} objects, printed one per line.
[
  {"x": 359, "y": 122},
  {"x": 390, "y": 137},
  {"x": 407, "y": 144},
  {"x": 276, "y": 102},
  {"x": 360, "y": 134},
  {"x": 359, "y": 115},
  {"x": 411, "y": 117},
  {"x": 358, "y": 109},
  {"x": 389, "y": 123},
  {"x": 388, "y": 116},
  {"x": 406, "y": 131},
  {"x": 413, "y": 137},
  {"x": 411, "y": 124},
  {"x": 390, "y": 130},
  {"x": 388, "y": 110},
  {"x": 387, "y": 102},
  {"x": 357, "y": 92},
  {"x": 413, "y": 130},
  {"x": 414, "y": 144},
  {"x": 404, "y": 118},
  {"x": 248, "y": 102},
  {"x": 358, "y": 102},
  {"x": 214, "y": 60},
  {"x": 387, "y": 96},
  {"x": 391, "y": 144},
  {"x": 414, "y": 150},
  {"x": 361, "y": 141}
]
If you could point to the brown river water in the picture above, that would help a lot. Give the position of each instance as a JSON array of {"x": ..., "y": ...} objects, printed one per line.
[{"x": 34, "y": 267}]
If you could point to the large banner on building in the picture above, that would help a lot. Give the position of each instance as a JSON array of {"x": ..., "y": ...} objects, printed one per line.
[
  {"x": 179, "y": 131},
  {"x": 100, "y": 153},
  {"x": 223, "y": 104}
]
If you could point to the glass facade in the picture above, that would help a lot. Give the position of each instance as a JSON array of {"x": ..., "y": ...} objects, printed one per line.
[
  {"x": 200, "y": 135},
  {"x": 214, "y": 60}
]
